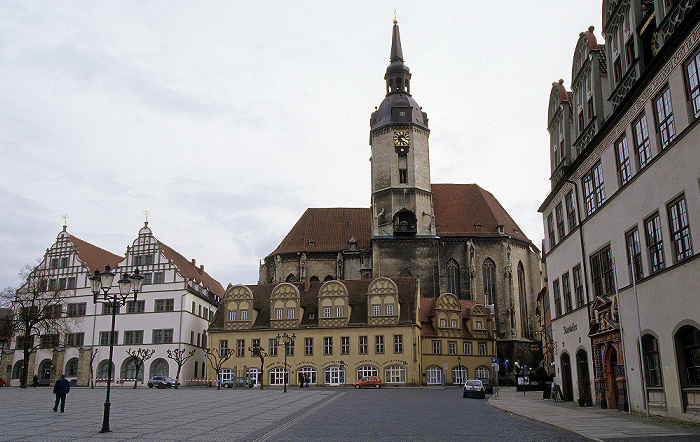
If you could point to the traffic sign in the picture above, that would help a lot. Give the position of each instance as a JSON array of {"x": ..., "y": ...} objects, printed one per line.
[
  {"x": 507, "y": 362},
  {"x": 494, "y": 360}
]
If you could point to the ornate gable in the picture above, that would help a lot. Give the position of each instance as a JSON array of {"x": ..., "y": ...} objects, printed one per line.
[
  {"x": 333, "y": 306},
  {"x": 448, "y": 316},
  {"x": 383, "y": 302},
  {"x": 285, "y": 308},
  {"x": 238, "y": 308}
]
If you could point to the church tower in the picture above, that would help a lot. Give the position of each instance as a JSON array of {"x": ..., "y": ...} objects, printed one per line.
[
  {"x": 401, "y": 195},
  {"x": 404, "y": 241}
]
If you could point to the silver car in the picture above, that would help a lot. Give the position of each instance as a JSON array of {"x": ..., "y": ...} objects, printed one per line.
[
  {"x": 157, "y": 380},
  {"x": 474, "y": 387}
]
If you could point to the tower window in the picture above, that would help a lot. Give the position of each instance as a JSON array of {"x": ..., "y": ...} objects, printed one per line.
[{"x": 403, "y": 169}]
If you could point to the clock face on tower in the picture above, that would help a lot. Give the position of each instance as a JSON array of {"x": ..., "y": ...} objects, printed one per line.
[{"x": 402, "y": 138}]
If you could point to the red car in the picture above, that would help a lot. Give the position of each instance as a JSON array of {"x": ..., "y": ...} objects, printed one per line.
[
  {"x": 368, "y": 381},
  {"x": 2, "y": 382}
]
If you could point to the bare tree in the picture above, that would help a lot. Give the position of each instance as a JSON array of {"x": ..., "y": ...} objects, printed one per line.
[
  {"x": 216, "y": 359},
  {"x": 93, "y": 355},
  {"x": 37, "y": 314},
  {"x": 140, "y": 356},
  {"x": 178, "y": 355},
  {"x": 261, "y": 353}
]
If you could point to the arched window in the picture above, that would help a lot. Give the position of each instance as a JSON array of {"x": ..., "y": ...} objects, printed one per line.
[
  {"x": 291, "y": 278},
  {"x": 160, "y": 367},
  {"x": 688, "y": 354},
  {"x": 405, "y": 273},
  {"x": 313, "y": 278},
  {"x": 17, "y": 370},
  {"x": 405, "y": 223},
  {"x": 459, "y": 375},
  {"x": 489, "y": 273},
  {"x": 225, "y": 374},
  {"x": 482, "y": 372},
  {"x": 395, "y": 374},
  {"x": 453, "y": 278},
  {"x": 367, "y": 370},
  {"x": 433, "y": 375},
  {"x": 334, "y": 375},
  {"x": 72, "y": 368},
  {"x": 328, "y": 278},
  {"x": 310, "y": 372},
  {"x": 254, "y": 375},
  {"x": 652, "y": 361},
  {"x": 522, "y": 294},
  {"x": 129, "y": 370},
  {"x": 278, "y": 376},
  {"x": 103, "y": 370}
]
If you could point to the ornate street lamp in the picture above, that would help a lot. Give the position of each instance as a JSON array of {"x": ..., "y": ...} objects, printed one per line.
[
  {"x": 103, "y": 281},
  {"x": 287, "y": 340}
]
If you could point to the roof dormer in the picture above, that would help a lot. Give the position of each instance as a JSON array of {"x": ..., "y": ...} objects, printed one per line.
[{"x": 333, "y": 305}]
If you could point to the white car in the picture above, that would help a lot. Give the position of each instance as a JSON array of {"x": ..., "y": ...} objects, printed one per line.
[
  {"x": 157, "y": 380},
  {"x": 474, "y": 387}
]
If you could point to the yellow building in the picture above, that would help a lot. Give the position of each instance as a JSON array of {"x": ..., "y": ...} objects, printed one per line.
[{"x": 343, "y": 330}]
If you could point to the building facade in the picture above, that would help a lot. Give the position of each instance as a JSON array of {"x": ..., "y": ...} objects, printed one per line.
[
  {"x": 345, "y": 329},
  {"x": 173, "y": 310},
  {"x": 457, "y": 238},
  {"x": 623, "y": 214}
]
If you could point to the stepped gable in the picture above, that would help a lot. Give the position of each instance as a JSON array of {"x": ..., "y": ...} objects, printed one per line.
[
  {"x": 460, "y": 208},
  {"x": 327, "y": 230},
  {"x": 190, "y": 271},
  {"x": 94, "y": 257}
]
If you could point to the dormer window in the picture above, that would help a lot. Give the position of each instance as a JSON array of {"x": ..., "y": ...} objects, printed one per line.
[
  {"x": 454, "y": 324},
  {"x": 232, "y": 315},
  {"x": 442, "y": 323},
  {"x": 244, "y": 315},
  {"x": 290, "y": 313},
  {"x": 278, "y": 313},
  {"x": 339, "y": 312},
  {"x": 390, "y": 310},
  {"x": 375, "y": 310},
  {"x": 326, "y": 312},
  {"x": 479, "y": 325}
]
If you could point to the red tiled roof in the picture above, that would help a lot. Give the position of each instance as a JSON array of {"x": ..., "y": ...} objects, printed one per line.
[
  {"x": 94, "y": 257},
  {"x": 327, "y": 230},
  {"x": 190, "y": 271},
  {"x": 460, "y": 208}
]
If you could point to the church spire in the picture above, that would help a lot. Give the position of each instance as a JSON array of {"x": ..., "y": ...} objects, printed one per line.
[{"x": 397, "y": 75}]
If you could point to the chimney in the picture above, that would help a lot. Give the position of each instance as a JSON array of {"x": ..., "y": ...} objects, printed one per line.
[
  {"x": 201, "y": 268},
  {"x": 194, "y": 263}
]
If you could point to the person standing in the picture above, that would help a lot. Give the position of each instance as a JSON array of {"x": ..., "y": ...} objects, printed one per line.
[{"x": 61, "y": 389}]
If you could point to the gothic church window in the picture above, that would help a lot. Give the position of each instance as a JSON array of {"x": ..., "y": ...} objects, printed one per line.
[
  {"x": 453, "y": 278},
  {"x": 489, "y": 274}
]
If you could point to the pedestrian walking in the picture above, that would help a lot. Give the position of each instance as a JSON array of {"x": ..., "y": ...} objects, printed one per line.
[
  {"x": 61, "y": 389},
  {"x": 35, "y": 381},
  {"x": 301, "y": 380},
  {"x": 306, "y": 379}
]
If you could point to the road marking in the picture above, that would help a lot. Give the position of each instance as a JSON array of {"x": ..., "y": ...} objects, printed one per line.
[{"x": 271, "y": 434}]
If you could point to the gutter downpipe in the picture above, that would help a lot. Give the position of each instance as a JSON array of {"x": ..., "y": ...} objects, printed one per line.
[{"x": 585, "y": 272}]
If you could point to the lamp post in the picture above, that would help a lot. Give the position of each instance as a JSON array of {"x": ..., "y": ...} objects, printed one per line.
[
  {"x": 287, "y": 340},
  {"x": 103, "y": 281}
]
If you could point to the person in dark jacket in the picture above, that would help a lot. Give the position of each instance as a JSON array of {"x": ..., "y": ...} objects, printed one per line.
[{"x": 61, "y": 389}]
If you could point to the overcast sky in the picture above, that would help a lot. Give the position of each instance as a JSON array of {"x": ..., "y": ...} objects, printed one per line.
[{"x": 226, "y": 120}]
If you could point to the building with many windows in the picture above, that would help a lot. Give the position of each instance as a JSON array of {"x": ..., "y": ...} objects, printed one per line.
[
  {"x": 457, "y": 238},
  {"x": 623, "y": 215},
  {"x": 346, "y": 329},
  {"x": 173, "y": 310}
]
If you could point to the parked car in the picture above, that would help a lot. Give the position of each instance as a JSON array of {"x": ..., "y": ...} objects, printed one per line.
[
  {"x": 488, "y": 386},
  {"x": 2, "y": 382},
  {"x": 158, "y": 380},
  {"x": 240, "y": 381},
  {"x": 368, "y": 381},
  {"x": 474, "y": 387}
]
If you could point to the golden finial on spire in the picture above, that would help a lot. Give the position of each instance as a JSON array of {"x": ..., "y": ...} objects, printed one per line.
[
  {"x": 146, "y": 213},
  {"x": 65, "y": 219},
  {"x": 395, "y": 21}
]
